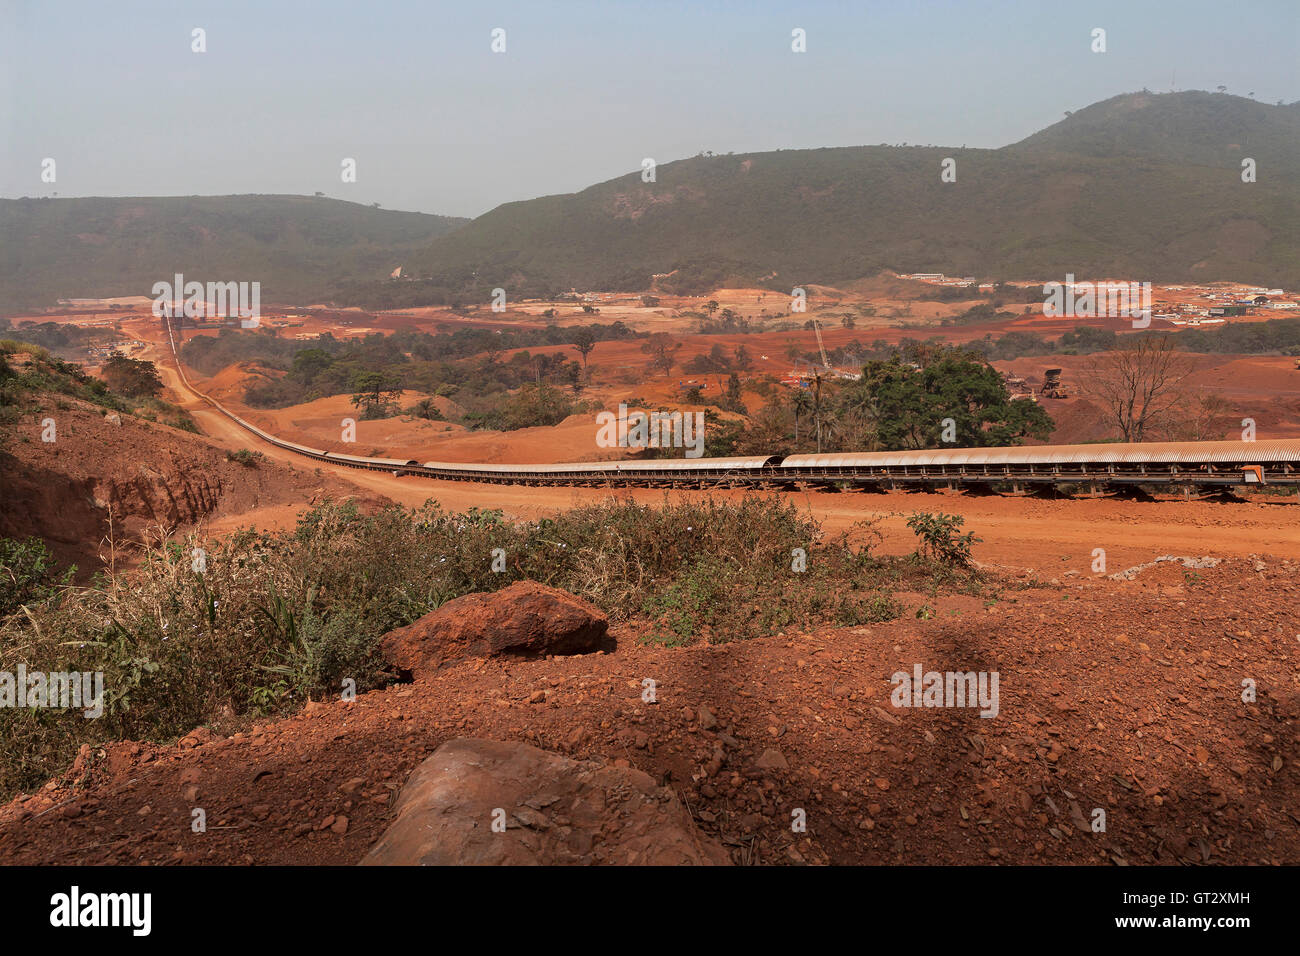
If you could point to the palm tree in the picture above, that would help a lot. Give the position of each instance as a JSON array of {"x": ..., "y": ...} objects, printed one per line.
[
  {"x": 800, "y": 402},
  {"x": 817, "y": 407}
]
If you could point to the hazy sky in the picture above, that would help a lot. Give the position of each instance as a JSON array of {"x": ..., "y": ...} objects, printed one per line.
[{"x": 437, "y": 122}]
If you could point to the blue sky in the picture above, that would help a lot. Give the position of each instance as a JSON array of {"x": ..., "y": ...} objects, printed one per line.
[{"x": 585, "y": 90}]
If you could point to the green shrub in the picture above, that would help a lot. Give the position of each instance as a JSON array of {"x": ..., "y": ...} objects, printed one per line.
[
  {"x": 939, "y": 540},
  {"x": 249, "y": 459},
  {"x": 260, "y": 622},
  {"x": 27, "y": 574}
]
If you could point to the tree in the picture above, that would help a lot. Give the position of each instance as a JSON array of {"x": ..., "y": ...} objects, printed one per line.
[
  {"x": 1202, "y": 417},
  {"x": 817, "y": 409},
  {"x": 309, "y": 363},
  {"x": 732, "y": 398},
  {"x": 742, "y": 360},
  {"x": 373, "y": 392},
  {"x": 721, "y": 435},
  {"x": 800, "y": 403},
  {"x": 662, "y": 349},
  {"x": 133, "y": 377},
  {"x": 710, "y": 307},
  {"x": 584, "y": 340},
  {"x": 427, "y": 409},
  {"x": 1138, "y": 384},
  {"x": 570, "y": 374},
  {"x": 911, "y": 407},
  {"x": 532, "y": 405}
]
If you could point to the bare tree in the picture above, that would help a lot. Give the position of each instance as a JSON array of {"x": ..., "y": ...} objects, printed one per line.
[
  {"x": 1201, "y": 417},
  {"x": 662, "y": 348},
  {"x": 1138, "y": 385}
]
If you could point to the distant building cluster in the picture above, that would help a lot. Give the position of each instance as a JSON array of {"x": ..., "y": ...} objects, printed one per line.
[
  {"x": 938, "y": 278},
  {"x": 101, "y": 353},
  {"x": 1211, "y": 305},
  {"x": 1185, "y": 305}
]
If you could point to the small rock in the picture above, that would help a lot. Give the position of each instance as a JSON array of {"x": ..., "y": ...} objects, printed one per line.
[{"x": 771, "y": 759}]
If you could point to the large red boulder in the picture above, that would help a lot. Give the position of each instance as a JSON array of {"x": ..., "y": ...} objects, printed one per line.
[
  {"x": 526, "y": 619},
  {"x": 488, "y": 802}
]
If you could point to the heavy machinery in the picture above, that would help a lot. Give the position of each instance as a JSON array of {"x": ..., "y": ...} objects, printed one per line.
[
  {"x": 817, "y": 327},
  {"x": 826, "y": 362},
  {"x": 1052, "y": 387},
  {"x": 1018, "y": 388}
]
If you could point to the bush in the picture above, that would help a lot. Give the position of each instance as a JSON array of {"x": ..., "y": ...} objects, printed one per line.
[
  {"x": 27, "y": 574},
  {"x": 245, "y": 457},
  {"x": 427, "y": 409},
  {"x": 267, "y": 620},
  {"x": 939, "y": 540}
]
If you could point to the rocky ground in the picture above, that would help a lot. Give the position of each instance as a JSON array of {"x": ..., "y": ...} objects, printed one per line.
[{"x": 1124, "y": 696}]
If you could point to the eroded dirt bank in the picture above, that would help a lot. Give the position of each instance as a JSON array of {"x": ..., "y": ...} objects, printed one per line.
[{"x": 1123, "y": 696}]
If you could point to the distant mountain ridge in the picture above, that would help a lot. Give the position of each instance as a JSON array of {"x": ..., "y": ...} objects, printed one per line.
[
  {"x": 1142, "y": 185},
  {"x": 1205, "y": 129},
  {"x": 298, "y": 247},
  {"x": 1145, "y": 185}
]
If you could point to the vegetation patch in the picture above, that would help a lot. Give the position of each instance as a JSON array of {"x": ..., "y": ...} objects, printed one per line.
[{"x": 265, "y": 621}]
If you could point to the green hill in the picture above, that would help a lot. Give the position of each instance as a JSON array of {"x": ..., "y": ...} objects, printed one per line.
[
  {"x": 298, "y": 247},
  {"x": 1195, "y": 128},
  {"x": 1141, "y": 185}
]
